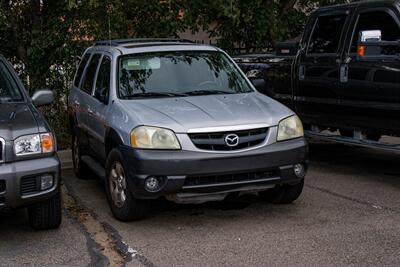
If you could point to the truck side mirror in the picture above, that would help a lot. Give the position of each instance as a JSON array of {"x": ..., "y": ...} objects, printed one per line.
[
  {"x": 370, "y": 46},
  {"x": 370, "y": 36},
  {"x": 42, "y": 98}
]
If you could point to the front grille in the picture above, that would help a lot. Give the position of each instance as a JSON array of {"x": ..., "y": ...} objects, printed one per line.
[
  {"x": 2, "y": 186},
  {"x": 193, "y": 181},
  {"x": 2, "y": 149},
  {"x": 216, "y": 141},
  {"x": 29, "y": 185}
]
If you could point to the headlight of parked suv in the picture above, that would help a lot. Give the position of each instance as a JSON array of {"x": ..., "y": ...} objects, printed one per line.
[
  {"x": 290, "y": 128},
  {"x": 154, "y": 138},
  {"x": 34, "y": 144}
]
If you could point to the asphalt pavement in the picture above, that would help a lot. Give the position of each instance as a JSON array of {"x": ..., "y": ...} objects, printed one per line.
[{"x": 348, "y": 215}]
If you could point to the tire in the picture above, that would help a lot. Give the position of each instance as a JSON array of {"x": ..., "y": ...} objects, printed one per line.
[
  {"x": 47, "y": 214},
  {"x": 81, "y": 170},
  {"x": 373, "y": 137},
  {"x": 346, "y": 133},
  {"x": 283, "y": 194},
  {"x": 122, "y": 203}
]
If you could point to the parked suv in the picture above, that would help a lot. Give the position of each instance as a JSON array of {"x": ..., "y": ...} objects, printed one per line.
[
  {"x": 29, "y": 166},
  {"x": 177, "y": 119}
]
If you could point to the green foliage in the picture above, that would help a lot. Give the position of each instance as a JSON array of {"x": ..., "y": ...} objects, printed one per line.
[{"x": 43, "y": 37}]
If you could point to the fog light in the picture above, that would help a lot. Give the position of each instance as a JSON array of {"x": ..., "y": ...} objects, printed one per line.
[
  {"x": 299, "y": 170},
  {"x": 46, "y": 182},
  {"x": 153, "y": 183}
]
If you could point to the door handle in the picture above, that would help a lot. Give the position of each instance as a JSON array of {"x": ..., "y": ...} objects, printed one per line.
[
  {"x": 302, "y": 72},
  {"x": 344, "y": 73},
  {"x": 90, "y": 112}
]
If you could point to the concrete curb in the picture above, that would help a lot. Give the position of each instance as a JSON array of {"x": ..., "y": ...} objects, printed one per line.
[{"x": 65, "y": 158}]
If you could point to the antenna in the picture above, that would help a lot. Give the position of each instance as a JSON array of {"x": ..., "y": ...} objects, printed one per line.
[{"x": 109, "y": 23}]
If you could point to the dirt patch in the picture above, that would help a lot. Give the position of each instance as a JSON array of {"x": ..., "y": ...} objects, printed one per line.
[{"x": 97, "y": 231}]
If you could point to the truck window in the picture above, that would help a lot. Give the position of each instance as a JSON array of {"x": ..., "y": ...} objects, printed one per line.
[
  {"x": 81, "y": 67},
  {"x": 326, "y": 34},
  {"x": 88, "y": 79},
  {"x": 377, "y": 20}
]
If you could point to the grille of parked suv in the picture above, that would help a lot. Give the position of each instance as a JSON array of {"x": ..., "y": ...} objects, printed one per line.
[
  {"x": 2, "y": 149},
  {"x": 216, "y": 141},
  {"x": 193, "y": 181},
  {"x": 29, "y": 185}
]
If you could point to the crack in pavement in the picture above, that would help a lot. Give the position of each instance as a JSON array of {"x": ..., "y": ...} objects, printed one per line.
[
  {"x": 352, "y": 199},
  {"x": 105, "y": 245}
]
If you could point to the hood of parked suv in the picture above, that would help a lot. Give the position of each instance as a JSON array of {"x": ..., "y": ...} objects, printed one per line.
[
  {"x": 185, "y": 113},
  {"x": 16, "y": 120}
]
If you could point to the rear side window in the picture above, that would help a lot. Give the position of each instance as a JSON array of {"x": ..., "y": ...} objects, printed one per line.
[
  {"x": 88, "y": 80},
  {"x": 326, "y": 34},
  {"x": 81, "y": 67},
  {"x": 377, "y": 20}
]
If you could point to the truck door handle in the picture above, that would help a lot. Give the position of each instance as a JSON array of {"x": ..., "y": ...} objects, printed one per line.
[
  {"x": 90, "y": 112},
  {"x": 344, "y": 73},
  {"x": 302, "y": 72}
]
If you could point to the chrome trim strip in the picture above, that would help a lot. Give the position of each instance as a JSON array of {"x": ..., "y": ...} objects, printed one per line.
[
  {"x": 229, "y": 128},
  {"x": 3, "y": 150},
  {"x": 231, "y": 183}
]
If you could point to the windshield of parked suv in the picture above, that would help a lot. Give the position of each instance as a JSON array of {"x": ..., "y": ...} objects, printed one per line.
[
  {"x": 183, "y": 73},
  {"x": 9, "y": 91}
]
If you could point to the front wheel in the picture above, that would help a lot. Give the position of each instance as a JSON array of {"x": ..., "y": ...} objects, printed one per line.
[
  {"x": 47, "y": 214},
  {"x": 122, "y": 203},
  {"x": 283, "y": 194}
]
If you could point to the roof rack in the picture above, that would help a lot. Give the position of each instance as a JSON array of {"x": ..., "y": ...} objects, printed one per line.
[{"x": 120, "y": 42}]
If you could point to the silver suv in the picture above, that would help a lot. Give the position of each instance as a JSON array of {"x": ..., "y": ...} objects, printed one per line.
[{"x": 166, "y": 117}]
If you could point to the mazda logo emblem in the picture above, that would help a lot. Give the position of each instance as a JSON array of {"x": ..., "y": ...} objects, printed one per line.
[{"x": 231, "y": 140}]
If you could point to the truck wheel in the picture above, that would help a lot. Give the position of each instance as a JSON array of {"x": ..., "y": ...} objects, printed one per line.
[
  {"x": 123, "y": 205},
  {"x": 283, "y": 194},
  {"x": 47, "y": 214},
  {"x": 80, "y": 169}
]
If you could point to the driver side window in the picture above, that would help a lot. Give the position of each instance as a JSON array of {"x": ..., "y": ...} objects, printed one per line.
[{"x": 102, "y": 87}]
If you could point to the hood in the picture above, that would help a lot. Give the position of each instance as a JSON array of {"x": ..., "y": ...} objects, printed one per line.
[
  {"x": 183, "y": 113},
  {"x": 16, "y": 120}
]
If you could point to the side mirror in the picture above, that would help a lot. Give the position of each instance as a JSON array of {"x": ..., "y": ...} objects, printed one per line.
[
  {"x": 370, "y": 36},
  {"x": 42, "y": 98},
  {"x": 371, "y": 47},
  {"x": 102, "y": 95}
]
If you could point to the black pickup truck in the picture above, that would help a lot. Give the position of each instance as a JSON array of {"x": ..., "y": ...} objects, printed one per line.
[{"x": 345, "y": 75}]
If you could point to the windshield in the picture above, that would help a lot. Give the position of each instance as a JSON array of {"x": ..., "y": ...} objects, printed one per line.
[
  {"x": 9, "y": 91},
  {"x": 183, "y": 73}
]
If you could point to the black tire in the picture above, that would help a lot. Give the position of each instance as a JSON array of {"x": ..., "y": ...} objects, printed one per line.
[
  {"x": 346, "y": 133},
  {"x": 283, "y": 194},
  {"x": 374, "y": 136},
  {"x": 81, "y": 170},
  {"x": 47, "y": 214},
  {"x": 131, "y": 209}
]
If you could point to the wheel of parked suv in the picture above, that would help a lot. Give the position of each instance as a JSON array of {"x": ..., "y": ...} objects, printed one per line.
[
  {"x": 123, "y": 205},
  {"x": 47, "y": 214},
  {"x": 80, "y": 169},
  {"x": 283, "y": 194}
]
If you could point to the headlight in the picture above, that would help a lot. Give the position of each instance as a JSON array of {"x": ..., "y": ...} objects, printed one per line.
[
  {"x": 290, "y": 128},
  {"x": 154, "y": 138},
  {"x": 34, "y": 144}
]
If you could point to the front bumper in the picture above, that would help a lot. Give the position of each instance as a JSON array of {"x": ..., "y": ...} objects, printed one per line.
[
  {"x": 18, "y": 181},
  {"x": 208, "y": 172}
]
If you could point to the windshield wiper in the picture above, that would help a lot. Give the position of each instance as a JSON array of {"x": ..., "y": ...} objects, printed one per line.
[
  {"x": 154, "y": 94},
  {"x": 207, "y": 92}
]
